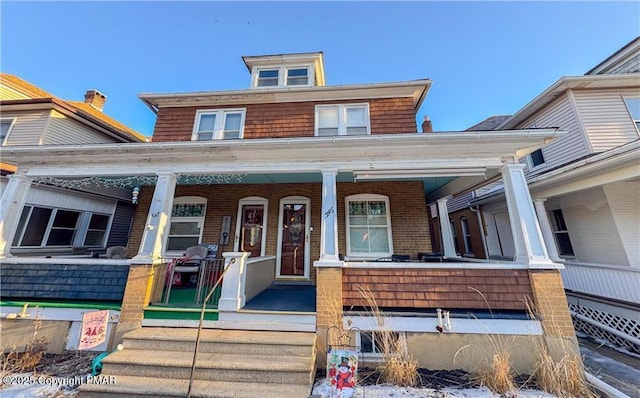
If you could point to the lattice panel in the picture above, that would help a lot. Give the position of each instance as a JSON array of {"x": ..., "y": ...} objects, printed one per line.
[{"x": 630, "y": 327}]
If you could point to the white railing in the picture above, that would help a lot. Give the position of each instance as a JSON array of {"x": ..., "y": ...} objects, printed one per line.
[{"x": 615, "y": 282}]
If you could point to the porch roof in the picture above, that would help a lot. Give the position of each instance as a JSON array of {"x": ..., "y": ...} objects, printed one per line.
[{"x": 474, "y": 156}]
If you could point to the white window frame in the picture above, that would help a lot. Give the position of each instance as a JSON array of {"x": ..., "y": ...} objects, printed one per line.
[
  {"x": 342, "y": 116},
  {"x": 218, "y": 128},
  {"x": 12, "y": 122},
  {"x": 536, "y": 166},
  {"x": 636, "y": 122},
  {"x": 466, "y": 236},
  {"x": 282, "y": 75},
  {"x": 47, "y": 232},
  {"x": 85, "y": 224},
  {"x": 200, "y": 219},
  {"x": 555, "y": 229},
  {"x": 362, "y": 198},
  {"x": 375, "y": 355},
  {"x": 252, "y": 200}
]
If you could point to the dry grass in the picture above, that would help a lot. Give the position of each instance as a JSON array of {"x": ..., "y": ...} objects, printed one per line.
[
  {"x": 26, "y": 361},
  {"x": 398, "y": 367},
  {"x": 564, "y": 377},
  {"x": 497, "y": 374}
]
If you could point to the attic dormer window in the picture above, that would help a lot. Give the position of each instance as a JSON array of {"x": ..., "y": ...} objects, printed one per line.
[
  {"x": 283, "y": 76},
  {"x": 268, "y": 78}
]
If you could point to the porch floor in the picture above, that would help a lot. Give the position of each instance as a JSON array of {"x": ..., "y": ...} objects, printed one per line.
[{"x": 294, "y": 298}]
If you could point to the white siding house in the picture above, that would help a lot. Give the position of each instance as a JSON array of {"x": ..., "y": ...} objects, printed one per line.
[
  {"x": 586, "y": 190},
  {"x": 32, "y": 116}
]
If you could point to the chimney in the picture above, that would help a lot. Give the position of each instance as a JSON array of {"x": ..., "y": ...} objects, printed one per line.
[
  {"x": 95, "y": 98},
  {"x": 426, "y": 125}
]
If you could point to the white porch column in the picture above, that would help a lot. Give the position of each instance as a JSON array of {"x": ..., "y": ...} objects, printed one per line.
[
  {"x": 448, "y": 245},
  {"x": 545, "y": 227},
  {"x": 11, "y": 206},
  {"x": 329, "y": 223},
  {"x": 527, "y": 239},
  {"x": 157, "y": 226},
  {"x": 232, "y": 296}
]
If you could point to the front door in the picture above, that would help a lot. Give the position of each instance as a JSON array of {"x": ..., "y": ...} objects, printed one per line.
[{"x": 293, "y": 238}]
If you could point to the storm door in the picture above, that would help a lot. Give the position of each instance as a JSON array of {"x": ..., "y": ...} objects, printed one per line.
[{"x": 293, "y": 238}]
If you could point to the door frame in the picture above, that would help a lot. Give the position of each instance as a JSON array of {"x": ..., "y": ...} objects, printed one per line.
[
  {"x": 307, "y": 228},
  {"x": 251, "y": 200}
]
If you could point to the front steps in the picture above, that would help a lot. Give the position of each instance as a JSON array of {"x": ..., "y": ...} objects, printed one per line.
[{"x": 156, "y": 362}]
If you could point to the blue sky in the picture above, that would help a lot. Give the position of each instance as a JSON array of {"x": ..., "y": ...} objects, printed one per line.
[{"x": 484, "y": 58}]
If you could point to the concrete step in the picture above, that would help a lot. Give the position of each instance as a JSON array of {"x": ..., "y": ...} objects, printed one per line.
[
  {"x": 145, "y": 387},
  {"x": 210, "y": 366},
  {"x": 284, "y": 344}
]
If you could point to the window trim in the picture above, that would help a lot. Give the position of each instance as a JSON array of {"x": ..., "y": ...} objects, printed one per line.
[
  {"x": 530, "y": 160},
  {"x": 282, "y": 75},
  {"x": 180, "y": 200},
  {"x": 555, "y": 230},
  {"x": 218, "y": 127},
  {"x": 79, "y": 229},
  {"x": 12, "y": 123},
  {"x": 636, "y": 122},
  {"x": 368, "y": 197},
  {"x": 342, "y": 117},
  {"x": 466, "y": 236},
  {"x": 252, "y": 200}
]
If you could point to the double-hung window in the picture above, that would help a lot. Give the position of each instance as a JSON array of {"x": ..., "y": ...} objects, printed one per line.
[
  {"x": 41, "y": 227},
  {"x": 535, "y": 159},
  {"x": 283, "y": 76},
  {"x": 561, "y": 233},
  {"x": 633, "y": 105},
  {"x": 187, "y": 220},
  {"x": 97, "y": 230},
  {"x": 5, "y": 127},
  {"x": 352, "y": 119},
  {"x": 222, "y": 124},
  {"x": 368, "y": 226}
]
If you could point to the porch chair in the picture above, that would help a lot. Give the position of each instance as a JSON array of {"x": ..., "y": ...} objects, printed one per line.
[
  {"x": 117, "y": 252},
  {"x": 192, "y": 263}
]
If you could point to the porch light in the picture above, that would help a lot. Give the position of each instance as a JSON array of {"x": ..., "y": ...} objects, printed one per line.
[
  {"x": 134, "y": 195},
  {"x": 409, "y": 174}
]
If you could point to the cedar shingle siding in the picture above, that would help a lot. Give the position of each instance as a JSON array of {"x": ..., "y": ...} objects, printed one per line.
[
  {"x": 294, "y": 119},
  {"x": 438, "y": 288}
]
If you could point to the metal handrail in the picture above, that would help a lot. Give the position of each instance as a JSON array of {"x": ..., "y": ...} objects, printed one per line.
[{"x": 202, "y": 310}]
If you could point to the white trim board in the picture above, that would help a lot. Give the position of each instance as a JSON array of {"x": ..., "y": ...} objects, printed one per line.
[{"x": 458, "y": 325}]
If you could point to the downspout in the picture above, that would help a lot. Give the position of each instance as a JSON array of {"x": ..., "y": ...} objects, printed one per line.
[{"x": 476, "y": 209}]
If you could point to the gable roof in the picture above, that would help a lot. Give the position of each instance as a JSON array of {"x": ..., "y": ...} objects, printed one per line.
[
  {"x": 82, "y": 109},
  {"x": 489, "y": 123}
]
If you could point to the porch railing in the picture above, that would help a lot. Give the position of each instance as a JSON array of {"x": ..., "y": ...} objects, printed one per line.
[
  {"x": 209, "y": 272},
  {"x": 615, "y": 282}
]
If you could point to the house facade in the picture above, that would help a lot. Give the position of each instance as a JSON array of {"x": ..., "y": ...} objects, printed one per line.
[
  {"x": 301, "y": 186},
  {"x": 585, "y": 190},
  {"x": 50, "y": 220},
  {"x": 58, "y": 221}
]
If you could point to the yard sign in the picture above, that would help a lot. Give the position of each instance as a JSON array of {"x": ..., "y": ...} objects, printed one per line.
[
  {"x": 342, "y": 368},
  {"x": 94, "y": 329}
]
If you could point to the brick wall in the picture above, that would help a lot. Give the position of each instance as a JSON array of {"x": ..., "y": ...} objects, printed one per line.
[
  {"x": 387, "y": 116},
  {"x": 408, "y": 212},
  {"x": 444, "y": 288},
  {"x": 551, "y": 303}
]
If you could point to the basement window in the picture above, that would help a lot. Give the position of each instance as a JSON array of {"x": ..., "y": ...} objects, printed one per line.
[{"x": 375, "y": 343}]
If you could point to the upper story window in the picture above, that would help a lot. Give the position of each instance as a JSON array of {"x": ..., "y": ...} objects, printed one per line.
[
  {"x": 350, "y": 119},
  {"x": 535, "y": 159},
  {"x": 633, "y": 105},
  {"x": 221, "y": 124},
  {"x": 5, "y": 127},
  {"x": 283, "y": 76}
]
